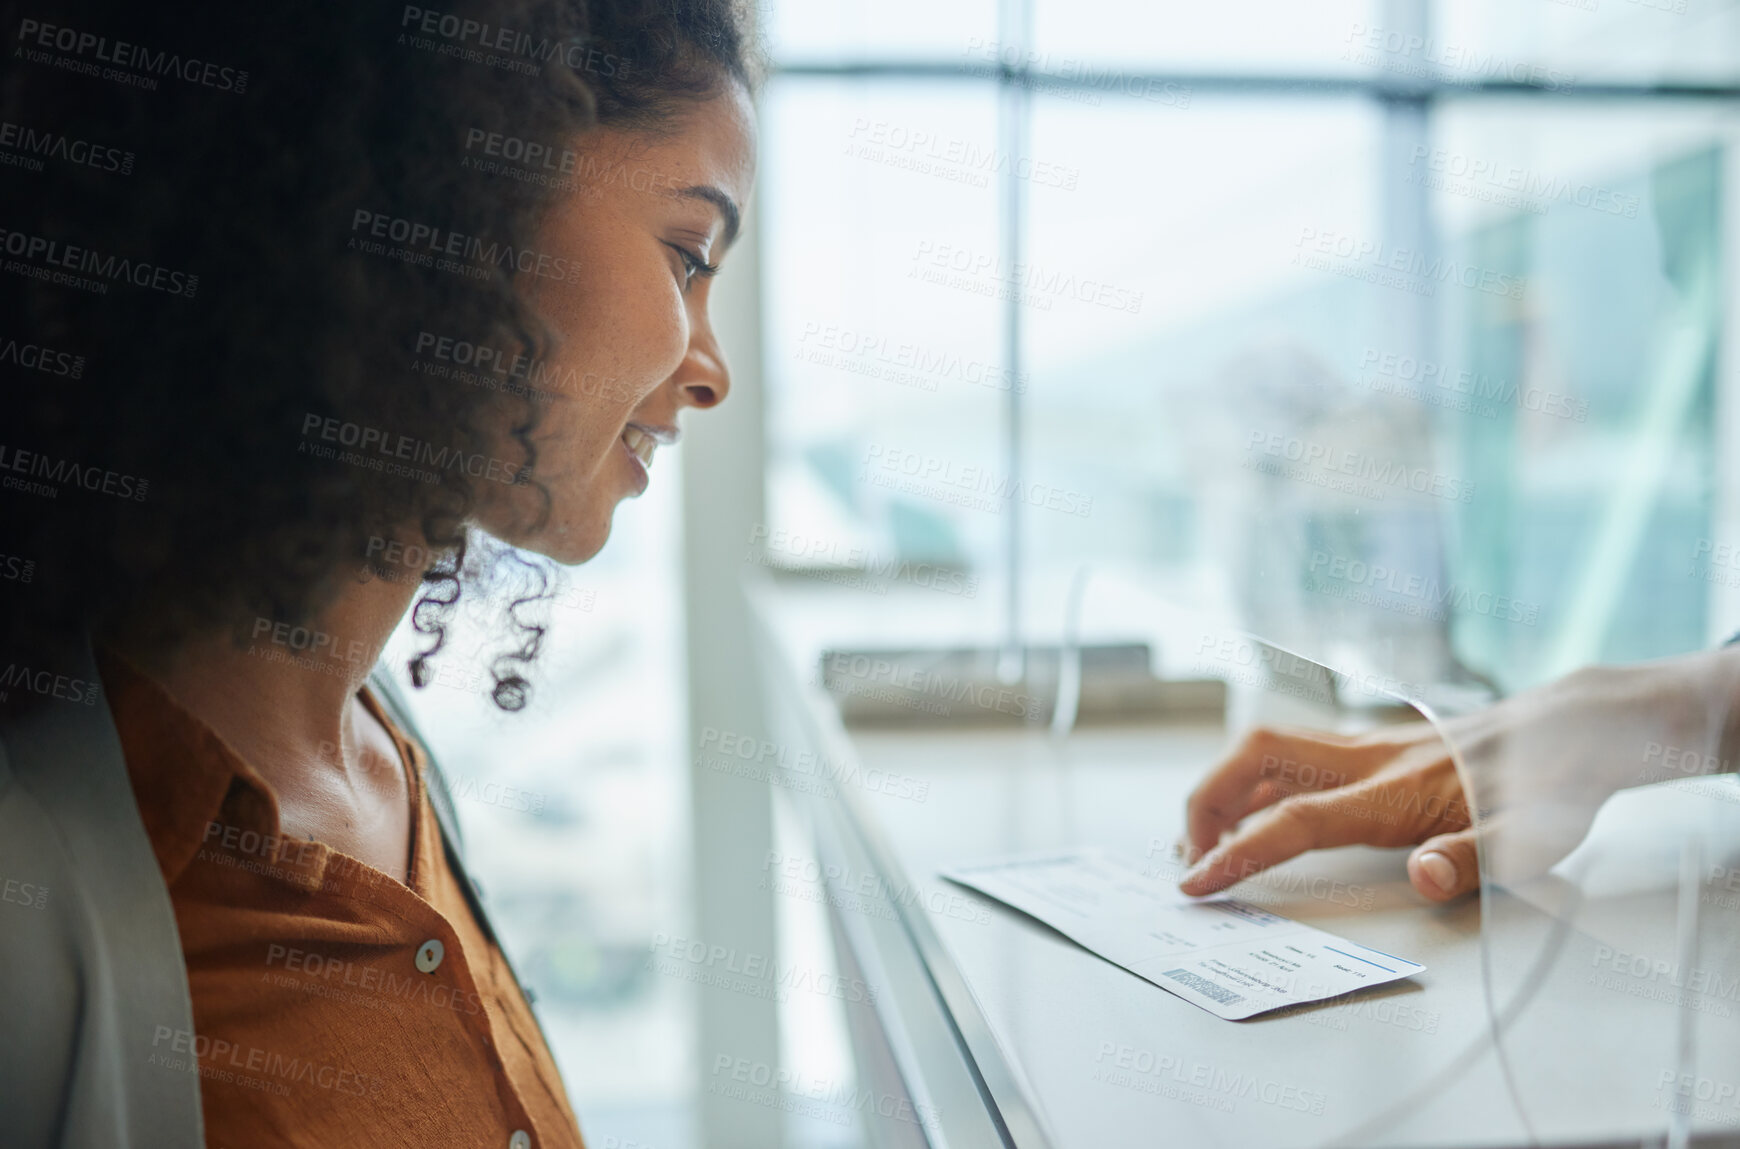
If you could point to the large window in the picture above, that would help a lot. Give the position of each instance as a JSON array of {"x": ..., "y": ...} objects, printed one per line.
[{"x": 1394, "y": 329}]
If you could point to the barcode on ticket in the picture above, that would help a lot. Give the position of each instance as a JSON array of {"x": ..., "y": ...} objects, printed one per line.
[{"x": 1206, "y": 988}]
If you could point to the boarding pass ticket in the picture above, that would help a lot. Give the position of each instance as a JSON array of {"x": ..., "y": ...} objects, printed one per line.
[{"x": 1229, "y": 957}]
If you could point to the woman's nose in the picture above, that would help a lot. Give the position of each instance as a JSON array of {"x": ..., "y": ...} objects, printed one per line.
[{"x": 704, "y": 379}]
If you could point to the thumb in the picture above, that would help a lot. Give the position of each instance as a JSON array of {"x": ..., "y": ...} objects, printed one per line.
[{"x": 1444, "y": 867}]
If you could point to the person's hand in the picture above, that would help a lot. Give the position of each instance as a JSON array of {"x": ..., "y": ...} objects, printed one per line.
[
  {"x": 1541, "y": 764},
  {"x": 1283, "y": 792}
]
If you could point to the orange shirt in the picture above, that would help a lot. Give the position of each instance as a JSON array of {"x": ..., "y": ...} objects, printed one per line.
[{"x": 332, "y": 1005}]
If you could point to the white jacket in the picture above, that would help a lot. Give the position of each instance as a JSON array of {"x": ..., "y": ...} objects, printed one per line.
[{"x": 91, "y": 966}]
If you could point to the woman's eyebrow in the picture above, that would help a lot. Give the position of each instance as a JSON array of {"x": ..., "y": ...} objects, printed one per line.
[{"x": 726, "y": 205}]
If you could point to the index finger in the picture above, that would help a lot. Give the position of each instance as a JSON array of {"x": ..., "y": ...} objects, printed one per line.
[
  {"x": 1222, "y": 798},
  {"x": 1227, "y": 795},
  {"x": 1284, "y": 831}
]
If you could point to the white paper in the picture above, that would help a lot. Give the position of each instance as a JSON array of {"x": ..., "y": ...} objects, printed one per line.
[{"x": 1231, "y": 958}]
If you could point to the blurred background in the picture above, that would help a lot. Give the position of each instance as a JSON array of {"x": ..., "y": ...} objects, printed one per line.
[{"x": 1397, "y": 330}]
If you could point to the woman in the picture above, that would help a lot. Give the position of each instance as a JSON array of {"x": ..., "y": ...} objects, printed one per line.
[{"x": 342, "y": 284}]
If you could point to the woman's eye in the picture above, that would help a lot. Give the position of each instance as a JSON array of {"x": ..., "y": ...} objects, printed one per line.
[{"x": 693, "y": 265}]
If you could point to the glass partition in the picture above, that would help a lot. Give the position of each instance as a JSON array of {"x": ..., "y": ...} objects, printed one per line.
[
  {"x": 1586, "y": 991},
  {"x": 1346, "y": 371},
  {"x": 1610, "y": 859}
]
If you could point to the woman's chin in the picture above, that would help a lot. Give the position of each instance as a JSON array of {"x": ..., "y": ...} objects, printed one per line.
[
  {"x": 568, "y": 539},
  {"x": 569, "y": 544}
]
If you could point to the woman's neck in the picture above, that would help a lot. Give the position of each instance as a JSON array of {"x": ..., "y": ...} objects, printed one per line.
[{"x": 283, "y": 699}]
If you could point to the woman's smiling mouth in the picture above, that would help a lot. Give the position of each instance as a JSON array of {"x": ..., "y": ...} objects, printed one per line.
[{"x": 639, "y": 442}]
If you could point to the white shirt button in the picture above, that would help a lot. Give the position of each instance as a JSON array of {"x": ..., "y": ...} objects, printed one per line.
[
  {"x": 429, "y": 955},
  {"x": 520, "y": 1140}
]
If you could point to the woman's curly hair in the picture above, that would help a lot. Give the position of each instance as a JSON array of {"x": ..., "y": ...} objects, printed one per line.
[{"x": 185, "y": 313}]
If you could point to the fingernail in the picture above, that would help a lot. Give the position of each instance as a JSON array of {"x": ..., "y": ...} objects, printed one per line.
[{"x": 1440, "y": 869}]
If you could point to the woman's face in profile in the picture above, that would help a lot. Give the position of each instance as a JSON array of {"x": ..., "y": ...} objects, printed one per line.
[{"x": 652, "y": 215}]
